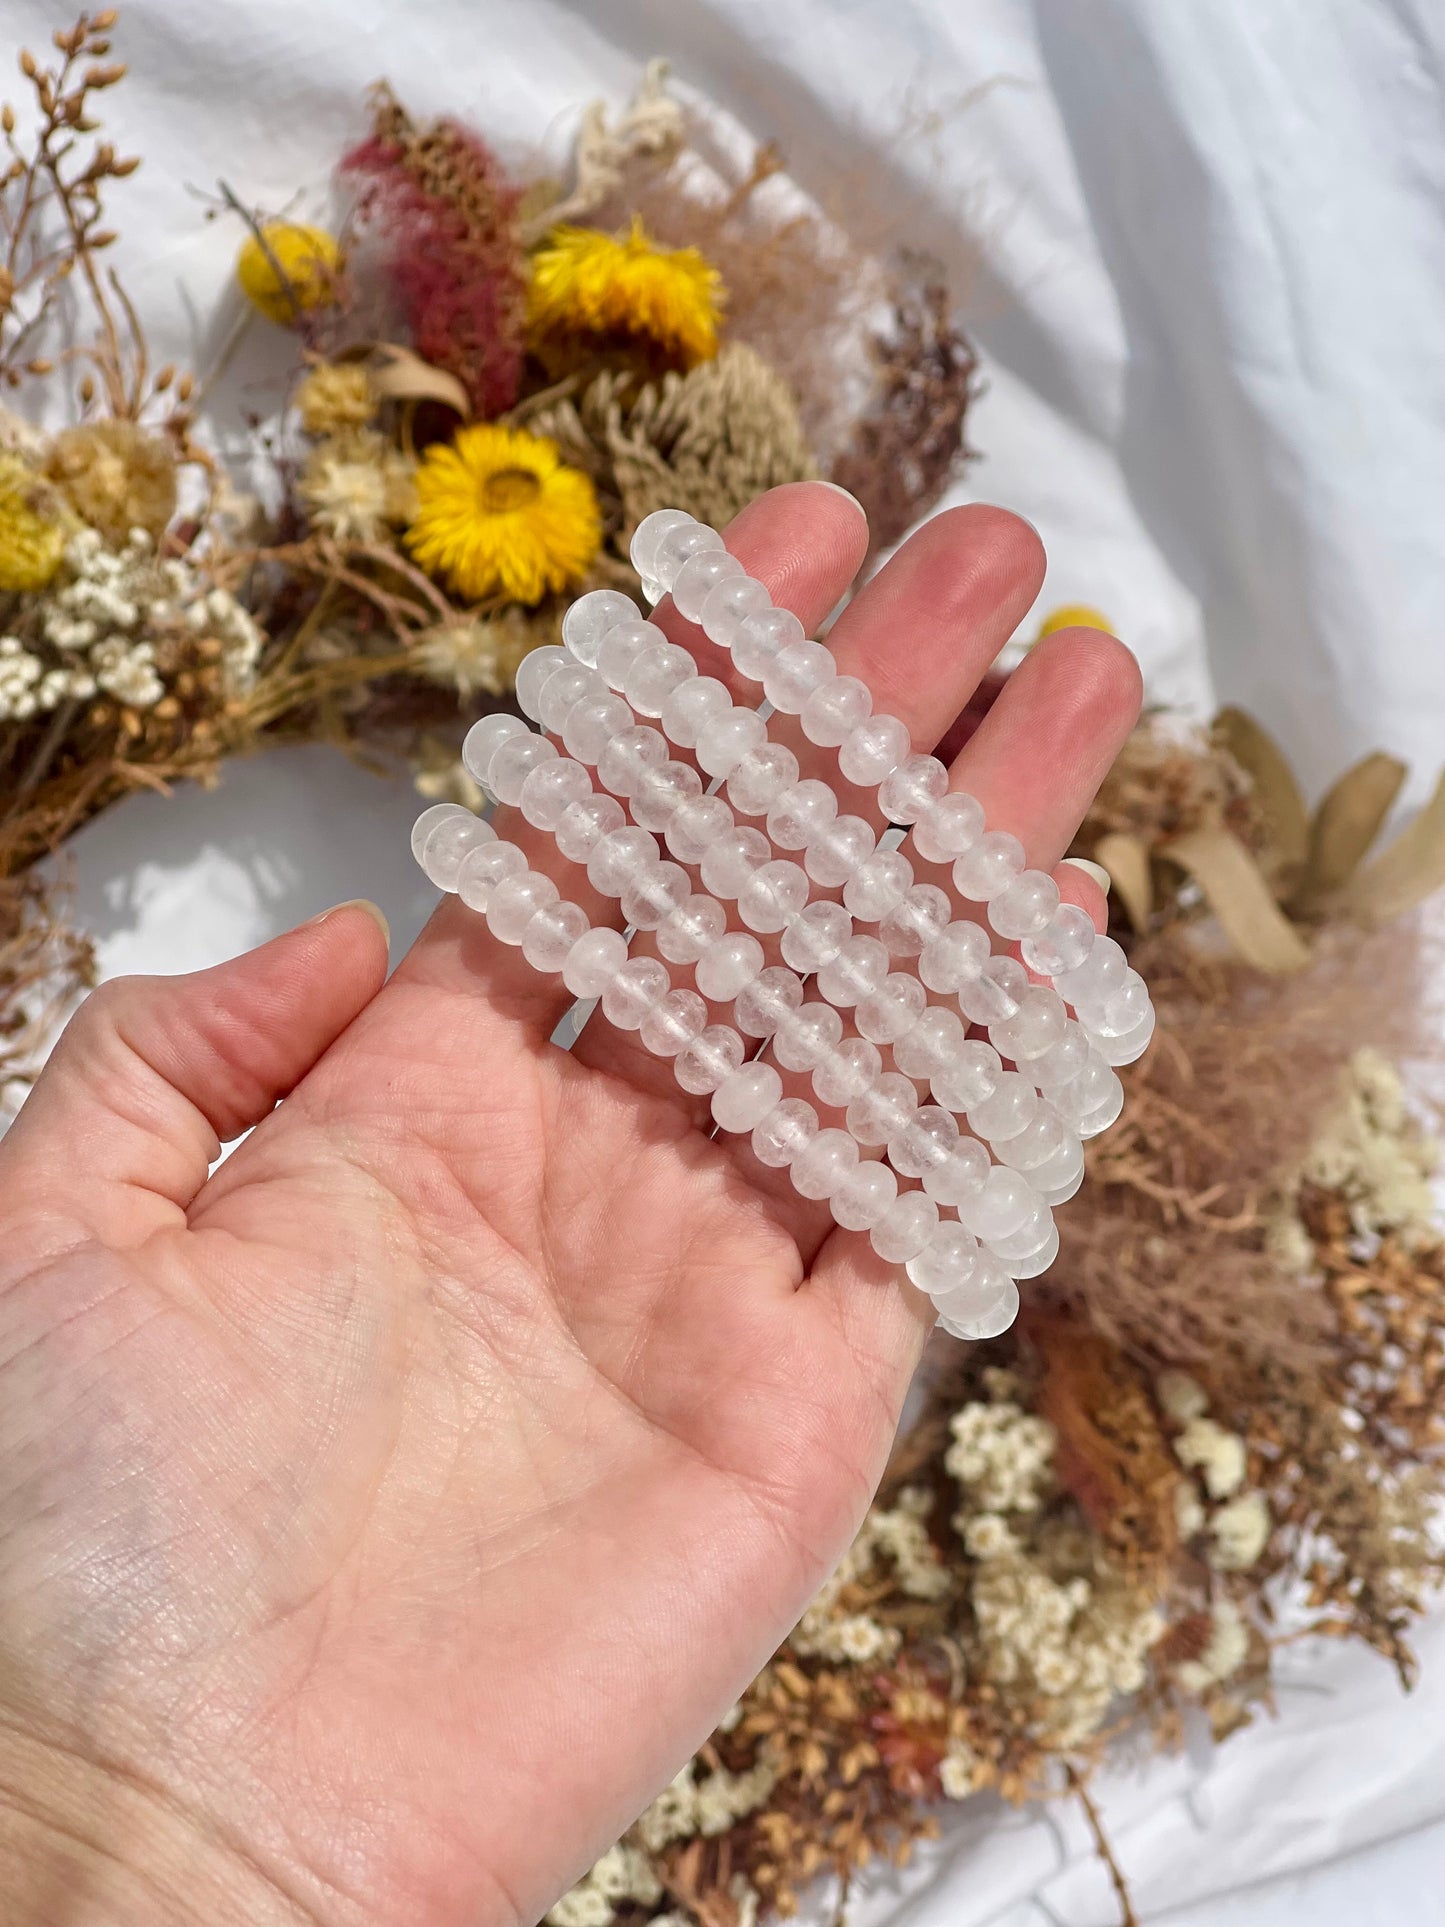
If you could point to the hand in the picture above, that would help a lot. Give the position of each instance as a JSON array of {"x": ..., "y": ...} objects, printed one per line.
[{"x": 385, "y": 1518}]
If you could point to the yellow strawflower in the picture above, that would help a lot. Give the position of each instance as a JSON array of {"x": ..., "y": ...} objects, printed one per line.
[
  {"x": 32, "y": 534},
  {"x": 297, "y": 267},
  {"x": 1074, "y": 615},
  {"x": 629, "y": 291},
  {"x": 498, "y": 514}
]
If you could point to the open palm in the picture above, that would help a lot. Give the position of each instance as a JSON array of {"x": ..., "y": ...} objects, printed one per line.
[{"x": 386, "y": 1518}]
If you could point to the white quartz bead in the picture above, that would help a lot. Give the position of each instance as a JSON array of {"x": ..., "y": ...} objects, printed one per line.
[
  {"x": 548, "y": 940},
  {"x": 485, "y": 738},
  {"x": 815, "y": 935},
  {"x": 1002, "y": 1203},
  {"x": 593, "y": 961},
  {"x": 949, "y": 828},
  {"x": 702, "y": 1065},
  {"x": 1104, "y": 1114},
  {"x": 637, "y": 989},
  {"x": 946, "y": 1261},
  {"x": 729, "y": 963},
  {"x": 801, "y": 813},
  {"x": 834, "y": 708},
  {"x": 1042, "y": 1138},
  {"x": 845, "y": 1072},
  {"x": 904, "y": 1228},
  {"x": 691, "y": 707},
  {"x": 862, "y": 1197},
  {"x": 886, "y": 1013},
  {"x": 591, "y": 725},
  {"x": 1094, "y": 1085},
  {"x": 1131, "y": 1046},
  {"x": 661, "y": 788},
  {"x": 429, "y": 819},
  {"x": 873, "y": 749},
  {"x": 1012, "y": 1104},
  {"x": 563, "y": 690},
  {"x": 881, "y": 1112},
  {"x": 683, "y": 936},
  {"x": 821, "y": 1166},
  {"x": 725, "y": 740},
  {"x": 618, "y": 858},
  {"x": 762, "y": 776},
  {"x": 989, "y": 867},
  {"x": 514, "y": 762},
  {"x": 551, "y": 788},
  {"x": 646, "y": 538},
  {"x": 514, "y": 903},
  {"x": 449, "y": 842},
  {"x": 698, "y": 577},
  {"x": 1124, "y": 1009},
  {"x": 787, "y": 1130},
  {"x": 743, "y": 1100},
  {"x": 627, "y": 755},
  {"x": 1088, "y": 987},
  {"x": 761, "y": 638},
  {"x": 992, "y": 997},
  {"x": 1025, "y": 907},
  {"x": 1035, "y": 1027},
  {"x": 764, "y": 1003},
  {"x": 591, "y": 616},
  {"x": 1034, "y": 1232},
  {"x": 795, "y": 672},
  {"x": 654, "y": 894},
  {"x": 954, "y": 957},
  {"x": 960, "y": 1175},
  {"x": 728, "y": 607},
  {"x": 695, "y": 826},
  {"x": 654, "y": 674},
  {"x": 773, "y": 895},
  {"x": 834, "y": 853},
  {"x": 1034, "y": 1263},
  {"x": 858, "y": 969},
  {"x": 677, "y": 545},
  {"x": 878, "y": 885},
  {"x": 1064, "y": 945},
  {"x": 970, "y": 1076},
  {"x": 921, "y": 914},
  {"x": 806, "y": 1037},
  {"x": 927, "y": 1137},
  {"x": 931, "y": 1045},
  {"x": 985, "y": 1308},
  {"x": 1061, "y": 1062},
  {"x": 622, "y": 645},
  {"x": 731, "y": 859},
  {"x": 484, "y": 868},
  {"x": 911, "y": 790},
  {"x": 533, "y": 672},
  {"x": 1059, "y": 1178},
  {"x": 583, "y": 824}
]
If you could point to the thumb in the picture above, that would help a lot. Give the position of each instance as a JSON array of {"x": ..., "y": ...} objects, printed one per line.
[{"x": 153, "y": 1074}]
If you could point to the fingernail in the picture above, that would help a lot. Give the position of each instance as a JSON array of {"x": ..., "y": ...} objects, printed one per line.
[
  {"x": 373, "y": 910},
  {"x": 838, "y": 489},
  {"x": 1090, "y": 869}
]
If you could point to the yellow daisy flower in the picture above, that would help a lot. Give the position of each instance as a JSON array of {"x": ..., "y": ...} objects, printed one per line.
[
  {"x": 289, "y": 266},
  {"x": 498, "y": 514},
  {"x": 593, "y": 285}
]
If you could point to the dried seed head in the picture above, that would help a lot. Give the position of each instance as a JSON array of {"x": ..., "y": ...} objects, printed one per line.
[
  {"x": 119, "y": 169},
  {"x": 7, "y": 118},
  {"x": 87, "y": 389},
  {"x": 28, "y": 65},
  {"x": 104, "y": 21},
  {"x": 164, "y": 378}
]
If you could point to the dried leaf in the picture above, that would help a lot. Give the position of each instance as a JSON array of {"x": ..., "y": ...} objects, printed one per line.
[
  {"x": 1278, "y": 794},
  {"x": 1348, "y": 820},
  {"x": 1240, "y": 899},
  {"x": 1126, "y": 858},
  {"x": 1405, "y": 873},
  {"x": 401, "y": 375}
]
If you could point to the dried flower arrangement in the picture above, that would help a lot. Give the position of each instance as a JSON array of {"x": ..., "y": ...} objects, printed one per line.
[{"x": 1227, "y": 1400}]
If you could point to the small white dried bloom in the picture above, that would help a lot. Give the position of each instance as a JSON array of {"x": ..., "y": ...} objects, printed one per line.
[
  {"x": 1188, "y": 1509},
  {"x": 1240, "y": 1530},
  {"x": 958, "y": 1771},
  {"x": 1180, "y": 1397},
  {"x": 584, "y": 1906},
  {"x": 1219, "y": 1455},
  {"x": 1226, "y": 1652}
]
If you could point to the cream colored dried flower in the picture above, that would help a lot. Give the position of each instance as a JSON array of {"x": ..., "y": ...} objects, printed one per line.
[
  {"x": 1226, "y": 1652},
  {"x": 1240, "y": 1531},
  {"x": 355, "y": 485},
  {"x": 958, "y": 1771},
  {"x": 476, "y": 654},
  {"x": 336, "y": 396},
  {"x": 1218, "y": 1454},
  {"x": 1180, "y": 1397}
]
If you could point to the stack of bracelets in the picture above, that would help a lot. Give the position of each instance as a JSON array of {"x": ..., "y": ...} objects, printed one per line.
[{"x": 958, "y": 1186}]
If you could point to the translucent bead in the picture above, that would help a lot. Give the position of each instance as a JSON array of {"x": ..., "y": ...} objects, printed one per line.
[
  {"x": 821, "y": 1166},
  {"x": 857, "y": 970},
  {"x": 763, "y": 775},
  {"x": 485, "y": 738},
  {"x": 698, "y": 577},
  {"x": 550, "y": 789},
  {"x": 686, "y": 933},
  {"x": 1034, "y": 1263},
  {"x": 1030, "y": 1235},
  {"x": 646, "y": 539},
  {"x": 761, "y": 638},
  {"x": 969, "y": 1078},
  {"x": 873, "y": 749},
  {"x": 1087, "y": 988},
  {"x": 949, "y": 828},
  {"x": 834, "y": 708},
  {"x": 483, "y": 868},
  {"x": 704, "y": 1063},
  {"x": 548, "y": 940},
  {"x": 1102, "y": 1115},
  {"x": 514, "y": 762},
  {"x": 989, "y": 867},
  {"x": 815, "y": 935},
  {"x": 725, "y": 740},
  {"x": 847, "y": 1071},
  {"x": 691, "y": 706},
  {"x": 591, "y": 616},
  {"x": 654, "y": 674},
  {"x": 593, "y": 961},
  {"x": 795, "y": 672},
  {"x": 627, "y": 755},
  {"x": 1042, "y": 1138},
  {"x": 911, "y": 790},
  {"x": 592, "y": 724},
  {"x": 1124, "y": 1010},
  {"x": 1057, "y": 1179},
  {"x": 885, "y": 1014},
  {"x": 1011, "y": 1105},
  {"x": 1061, "y": 1062},
  {"x": 449, "y": 842},
  {"x": 696, "y": 826},
  {"x": 1035, "y": 1027},
  {"x": 563, "y": 690},
  {"x": 807, "y": 1037},
  {"x": 832, "y": 856},
  {"x": 728, "y": 862},
  {"x": 533, "y": 672},
  {"x": 990, "y": 1306},
  {"x": 863, "y": 1196},
  {"x": 926, "y": 1139},
  {"x": 954, "y": 957},
  {"x": 920, "y": 915},
  {"x": 654, "y": 894},
  {"x": 743, "y": 1100},
  {"x": 618, "y": 858},
  {"x": 878, "y": 885},
  {"x": 960, "y": 1175},
  {"x": 622, "y": 645},
  {"x": 582, "y": 825},
  {"x": 637, "y": 989},
  {"x": 729, "y": 963},
  {"x": 764, "y": 1003},
  {"x": 429, "y": 819},
  {"x": 1002, "y": 1203},
  {"x": 992, "y": 996},
  {"x": 677, "y": 546},
  {"x": 1064, "y": 944},
  {"x": 773, "y": 895},
  {"x": 661, "y": 788},
  {"x": 1024, "y": 907},
  {"x": 801, "y": 813},
  {"x": 1131, "y": 1046},
  {"x": 881, "y": 1111},
  {"x": 904, "y": 1228},
  {"x": 787, "y": 1130},
  {"x": 933, "y": 1043},
  {"x": 946, "y": 1261},
  {"x": 728, "y": 607}
]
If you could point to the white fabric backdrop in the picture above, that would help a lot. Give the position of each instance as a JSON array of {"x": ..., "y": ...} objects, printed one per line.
[{"x": 1205, "y": 247}]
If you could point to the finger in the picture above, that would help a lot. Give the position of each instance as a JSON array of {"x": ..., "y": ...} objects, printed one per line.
[{"x": 153, "y": 1074}]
